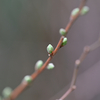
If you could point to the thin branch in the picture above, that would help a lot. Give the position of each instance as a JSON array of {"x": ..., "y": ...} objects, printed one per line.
[
  {"x": 86, "y": 50},
  {"x": 73, "y": 18},
  {"x": 17, "y": 91}
]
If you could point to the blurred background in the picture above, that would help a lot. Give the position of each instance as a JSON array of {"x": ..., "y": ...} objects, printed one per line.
[{"x": 27, "y": 27}]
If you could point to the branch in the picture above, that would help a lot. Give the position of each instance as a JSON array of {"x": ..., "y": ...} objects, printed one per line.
[
  {"x": 86, "y": 50},
  {"x": 18, "y": 90}
]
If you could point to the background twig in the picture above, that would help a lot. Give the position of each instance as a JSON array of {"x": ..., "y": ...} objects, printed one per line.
[{"x": 86, "y": 50}]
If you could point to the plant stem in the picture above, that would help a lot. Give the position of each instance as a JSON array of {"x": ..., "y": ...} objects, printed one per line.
[
  {"x": 17, "y": 91},
  {"x": 85, "y": 52}
]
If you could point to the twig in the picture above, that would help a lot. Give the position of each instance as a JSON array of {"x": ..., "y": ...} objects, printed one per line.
[
  {"x": 73, "y": 18},
  {"x": 86, "y": 50},
  {"x": 17, "y": 91}
]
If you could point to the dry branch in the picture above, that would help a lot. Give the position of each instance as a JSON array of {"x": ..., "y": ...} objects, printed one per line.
[{"x": 85, "y": 52}]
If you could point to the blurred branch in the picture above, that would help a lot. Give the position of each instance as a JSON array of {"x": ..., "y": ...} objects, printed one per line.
[
  {"x": 73, "y": 18},
  {"x": 17, "y": 91},
  {"x": 86, "y": 50}
]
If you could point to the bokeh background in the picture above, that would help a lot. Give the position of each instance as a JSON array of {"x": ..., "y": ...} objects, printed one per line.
[{"x": 27, "y": 27}]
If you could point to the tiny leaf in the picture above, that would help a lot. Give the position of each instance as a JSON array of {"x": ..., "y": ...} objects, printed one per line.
[
  {"x": 62, "y": 31},
  {"x": 6, "y": 92},
  {"x": 27, "y": 79},
  {"x": 50, "y": 66},
  {"x": 50, "y": 48},
  {"x": 64, "y": 41},
  {"x": 74, "y": 11},
  {"x": 39, "y": 64},
  {"x": 84, "y": 10}
]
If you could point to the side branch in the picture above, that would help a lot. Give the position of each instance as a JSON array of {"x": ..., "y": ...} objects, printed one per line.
[{"x": 86, "y": 50}]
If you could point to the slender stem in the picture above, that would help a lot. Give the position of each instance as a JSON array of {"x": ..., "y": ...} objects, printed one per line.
[
  {"x": 17, "y": 91},
  {"x": 73, "y": 18},
  {"x": 85, "y": 52},
  {"x": 67, "y": 93}
]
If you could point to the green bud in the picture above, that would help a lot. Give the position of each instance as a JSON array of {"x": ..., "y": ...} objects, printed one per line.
[
  {"x": 84, "y": 10},
  {"x": 39, "y": 64},
  {"x": 50, "y": 48},
  {"x": 6, "y": 92},
  {"x": 62, "y": 31},
  {"x": 74, "y": 11},
  {"x": 27, "y": 79},
  {"x": 64, "y": 41},
  {"x": 50, "y": 66}
]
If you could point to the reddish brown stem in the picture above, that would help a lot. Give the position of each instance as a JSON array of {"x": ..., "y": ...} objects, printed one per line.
[
  {"x": 73, "y": 18},
  {"x": 17, "y": 91}
]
